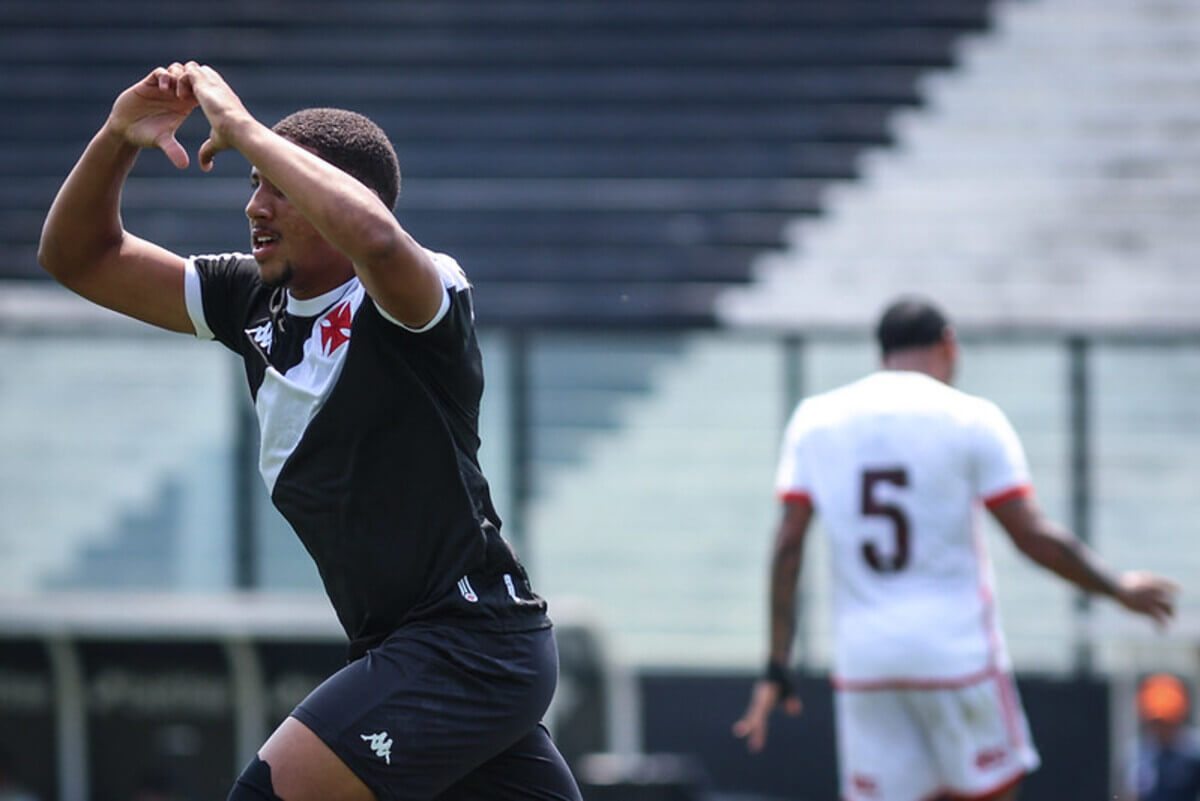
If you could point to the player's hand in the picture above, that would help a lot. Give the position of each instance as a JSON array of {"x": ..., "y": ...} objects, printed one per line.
[
  {"x": 1148, "y": 594},
  {"x": 752, "y": 727},
  {"x": 223, "y": 108},
  {"x": 149, "y": 113}
]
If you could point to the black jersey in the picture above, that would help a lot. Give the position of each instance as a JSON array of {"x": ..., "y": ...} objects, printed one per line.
[{"x": 369, "y": 440}]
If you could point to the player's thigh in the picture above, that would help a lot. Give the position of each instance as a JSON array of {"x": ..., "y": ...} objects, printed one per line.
[
  {"x": 882, "y": 751},
  {"x": 980, "y": 738},
  {"x": 531, "y": 770},
  {"x": 431, "y": 704},
  {"x": 304, "y": 768}
]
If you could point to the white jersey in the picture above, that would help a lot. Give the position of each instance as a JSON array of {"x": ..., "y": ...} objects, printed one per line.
[{"x": 898, "y": 465}]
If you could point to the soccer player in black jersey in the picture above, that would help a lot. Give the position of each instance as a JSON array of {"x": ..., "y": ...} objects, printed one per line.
[{"x": 360, "y": 352}]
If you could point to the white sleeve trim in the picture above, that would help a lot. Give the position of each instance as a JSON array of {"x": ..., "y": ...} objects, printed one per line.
[
  {"x": 453, "y": 280},
  {"x": 193, "y": 299},
  {"x": 437, "y": 318},
  {"x": 1001, "y": 461}
]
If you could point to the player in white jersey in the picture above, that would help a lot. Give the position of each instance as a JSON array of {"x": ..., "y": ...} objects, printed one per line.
[{"x": 899, "y": 465}]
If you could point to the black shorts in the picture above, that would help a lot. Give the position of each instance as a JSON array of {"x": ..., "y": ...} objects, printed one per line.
[{"x": 439, "y": 712}]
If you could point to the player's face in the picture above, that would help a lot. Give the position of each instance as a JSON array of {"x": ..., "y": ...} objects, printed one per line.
[{"x": 287, "y": 247}]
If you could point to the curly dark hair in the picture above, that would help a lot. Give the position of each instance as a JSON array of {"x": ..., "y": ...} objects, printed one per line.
[{"x": 349, "y": 141}]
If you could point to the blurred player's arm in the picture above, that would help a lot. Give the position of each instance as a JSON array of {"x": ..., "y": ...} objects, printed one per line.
[
  {"x": 787, "y": 557},
  {"x": 84, "y": 244},
  {"x": 1061, "y": 552},
  {"x": 397, "y": 272}
]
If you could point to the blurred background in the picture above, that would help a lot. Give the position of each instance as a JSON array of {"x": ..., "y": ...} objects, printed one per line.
[{"x": 681, "y": 217}]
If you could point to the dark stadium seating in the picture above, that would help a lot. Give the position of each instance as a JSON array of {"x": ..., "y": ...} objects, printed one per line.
[{"x": 588, "y": 162}]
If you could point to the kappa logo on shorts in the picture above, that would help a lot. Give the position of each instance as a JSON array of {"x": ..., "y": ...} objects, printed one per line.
[
  {"x": 990, "y": 758},
  {"x": 468, "y": 592},
  {"x": 381, "y": 744}
]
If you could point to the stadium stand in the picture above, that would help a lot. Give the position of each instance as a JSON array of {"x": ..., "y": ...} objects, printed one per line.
[
  {"x": 83, "y": 472},
  {"x": 628, "y": 530},
  {"x": 621, "y": 167},
  {"x": 522, "y": 173},
  {"x": 1026, "y": 196},
  {"x": 589, "y": 162},
  {"x": 1050, "y": 182}
]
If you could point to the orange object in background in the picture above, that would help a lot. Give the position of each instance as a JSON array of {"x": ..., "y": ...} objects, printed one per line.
[{"x": 1163, "y": 697}]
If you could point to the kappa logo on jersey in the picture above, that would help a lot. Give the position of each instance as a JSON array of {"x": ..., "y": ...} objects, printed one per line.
[
  {"x": 335, "y": 328},
  {"x": 381, "y": 744},
  {"x": 263, "y": 336},
  {"x": 468, "y": 592}
]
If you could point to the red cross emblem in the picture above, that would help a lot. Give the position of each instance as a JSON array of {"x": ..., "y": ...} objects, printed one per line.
[{"x": 335, "y": 328}]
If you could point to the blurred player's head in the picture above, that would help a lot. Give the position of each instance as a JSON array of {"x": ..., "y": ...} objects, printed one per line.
[
  {"x": 914, "y": 334},
  {"x": 1162, "y": 701},
  {"x": 349, "y": 141}
]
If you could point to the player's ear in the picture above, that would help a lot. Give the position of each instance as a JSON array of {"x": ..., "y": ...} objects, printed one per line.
[{"x": 948, "y": 345}]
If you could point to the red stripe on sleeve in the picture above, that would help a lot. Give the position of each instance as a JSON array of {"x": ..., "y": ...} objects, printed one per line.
[
  {"x": 997, "y": 498},
  {"x": 796, "y": 496}
]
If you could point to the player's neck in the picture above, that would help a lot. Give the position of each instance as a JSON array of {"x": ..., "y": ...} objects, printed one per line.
[
  {"x": 917, "y": 361},
  {"x": 307, "y": 287}
]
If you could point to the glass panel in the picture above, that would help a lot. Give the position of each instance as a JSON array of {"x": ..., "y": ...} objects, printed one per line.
[
  {"x": 652, "y": 463},
  {"x": 495, "y": 429},
  {"x": 1146, "y": 483},
  {"x": 654, "y": 515},
  {"x": 281, "y": 560},
  {"x": 115, "y": 468}
]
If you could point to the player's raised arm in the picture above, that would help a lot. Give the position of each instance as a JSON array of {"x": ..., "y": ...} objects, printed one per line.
[
  {"x": 84, "y": 244},
  {"x": 1060, "y": 551},
  {"x": 397, "y": 272}
]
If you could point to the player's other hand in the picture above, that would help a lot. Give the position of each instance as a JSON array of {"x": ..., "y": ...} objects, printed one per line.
[
  {"x": 223, "y": 108},
  {"x": 1148, "y": 594},
  {"x": 752, "y": 727},
  {"x": 149, "y": 113}
]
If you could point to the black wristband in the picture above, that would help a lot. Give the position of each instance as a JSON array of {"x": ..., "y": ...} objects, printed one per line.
[{"x": 778, "y": 675}]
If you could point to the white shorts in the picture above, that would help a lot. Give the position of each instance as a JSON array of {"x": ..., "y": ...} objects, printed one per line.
[{"x": 917, "y": 744}]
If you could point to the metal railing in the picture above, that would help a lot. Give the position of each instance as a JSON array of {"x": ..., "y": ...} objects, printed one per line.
[{"x": 1109, "y": 419}]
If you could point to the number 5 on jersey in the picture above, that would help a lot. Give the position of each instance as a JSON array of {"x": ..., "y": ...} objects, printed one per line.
[{"x": 871, "y": 507}]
